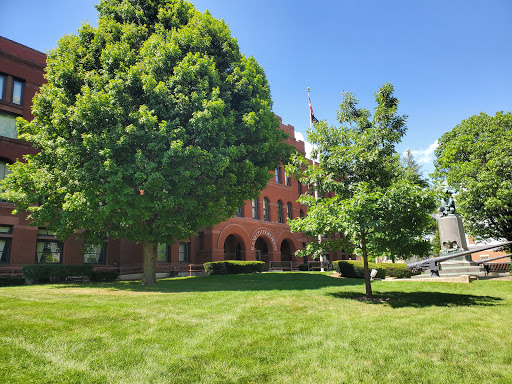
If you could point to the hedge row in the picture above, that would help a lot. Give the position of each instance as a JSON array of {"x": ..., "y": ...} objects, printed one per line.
[
  {"x": 44, "y": 273},
  {"x": 232, "y": 267},
  {"x": 351, "y": 268},
  {"x": 104, "y": 276},
  {"x": 6, "y": 281}
]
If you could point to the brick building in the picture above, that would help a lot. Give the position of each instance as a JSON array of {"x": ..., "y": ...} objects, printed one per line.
[{"x": 257, "y": 232}]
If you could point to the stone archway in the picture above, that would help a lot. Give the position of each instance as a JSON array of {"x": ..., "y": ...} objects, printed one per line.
[
  {"x": 287, "y": 250},
  {"x": 261, "y": 249},
  {"x": 234, "y": 248}
]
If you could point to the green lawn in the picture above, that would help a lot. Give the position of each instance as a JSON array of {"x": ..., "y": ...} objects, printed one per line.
[{"x": 262, "y": 328}]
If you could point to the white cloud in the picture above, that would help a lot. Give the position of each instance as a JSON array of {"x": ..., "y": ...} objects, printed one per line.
[{"x": 425, "y": 156}]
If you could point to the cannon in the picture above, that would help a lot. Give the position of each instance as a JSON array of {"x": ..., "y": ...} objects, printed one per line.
[{"x": 432, "y": 264}]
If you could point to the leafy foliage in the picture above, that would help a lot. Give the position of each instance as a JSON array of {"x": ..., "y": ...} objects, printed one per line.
[
  {"x": 366, "y": 193},
  {"x": 233, "y": 267},
  {"x": 44, "y": 273},
  {"x": 355, "y": 269},
  {"x": 475, "y": 158},
  {"x": 151, "y": 126}
]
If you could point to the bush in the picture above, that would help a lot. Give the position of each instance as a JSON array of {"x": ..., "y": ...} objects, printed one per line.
[
  {"x": 398, "y": 270},
  {"x": 232, "y": 267},
  {"x": 355, "y": 269},
  {"x": 303, "y": 267},
  {"x": 6, "y": 281},
  {"x": 43, "y": 273},
  {"x": 104, "y": 276}
]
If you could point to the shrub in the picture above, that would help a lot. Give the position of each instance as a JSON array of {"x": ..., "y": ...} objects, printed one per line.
[
  {"x": 352, "y": 268},
  {"x": 43, "y": 273},
  {"x": 303, "y": 267},
  {"x": 398, "y": 270},
  {"x": 105, "y": 276},
  {"x": 231, "y": 267},
  {"x": 6, "y": 281}
]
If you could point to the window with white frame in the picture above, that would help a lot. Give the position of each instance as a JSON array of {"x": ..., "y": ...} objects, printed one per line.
[{"x": 48, "y": 248}]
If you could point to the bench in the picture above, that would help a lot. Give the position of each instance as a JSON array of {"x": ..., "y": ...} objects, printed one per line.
[
  {"x": 195, "y": 268},
  {"x": 281, "y": 265},
  {"x": 11, "y": 270},
  {"x": 496, "y": 267},
  {"x": 318, "y": 265}
]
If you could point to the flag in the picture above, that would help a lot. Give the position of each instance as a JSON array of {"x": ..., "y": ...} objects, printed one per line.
[{"x": 311, "y": 114}]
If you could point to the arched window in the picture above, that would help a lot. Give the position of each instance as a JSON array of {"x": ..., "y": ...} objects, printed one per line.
[
  {"x": 278, "y": 175},
  {"x": 266, "y": 209},
  {"x": 289, "y": 212},
  {"x": 255, "y": 209},
  {"x": 301, "y": 213},
  {"x": 279, "y": 211}
]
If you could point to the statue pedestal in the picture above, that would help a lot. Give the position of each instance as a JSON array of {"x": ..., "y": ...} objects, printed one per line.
[{"x": 452, "y": 236}]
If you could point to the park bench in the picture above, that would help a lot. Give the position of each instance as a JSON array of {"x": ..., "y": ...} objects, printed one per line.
[
  {"x": 11, "y": 270},
  {"x": 281, "y": 266},
  {"x": 318, "y": 265},
  {"x": 195, "y": 268},
  {"x": 496, "y": 267}
]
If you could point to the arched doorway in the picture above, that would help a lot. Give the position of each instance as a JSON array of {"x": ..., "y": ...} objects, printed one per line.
[
  {"x": 261, "y": 251},
  {"x": 234, "y": 248},
  {"x": 287, "y": 250}
]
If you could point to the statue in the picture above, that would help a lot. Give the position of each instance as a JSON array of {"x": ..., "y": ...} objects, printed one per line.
[{"x": 448, "y": 207}]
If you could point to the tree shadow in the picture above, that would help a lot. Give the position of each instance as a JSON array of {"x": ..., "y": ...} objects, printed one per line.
[
  {"x": 287, "y": 281},
  {"x": 421, "y": 299}
]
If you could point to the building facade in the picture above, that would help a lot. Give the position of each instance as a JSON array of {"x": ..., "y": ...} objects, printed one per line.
[{"x": 258, "y": 231}]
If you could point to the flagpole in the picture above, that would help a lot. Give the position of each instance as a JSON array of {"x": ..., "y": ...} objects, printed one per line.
[{"x": 316, "y": 189}]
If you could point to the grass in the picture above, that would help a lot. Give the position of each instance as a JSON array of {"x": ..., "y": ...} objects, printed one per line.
[{"x": 262, "y": 328}]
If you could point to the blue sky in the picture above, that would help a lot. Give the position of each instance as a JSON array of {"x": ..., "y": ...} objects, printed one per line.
[{"x": 447, "y": 59}]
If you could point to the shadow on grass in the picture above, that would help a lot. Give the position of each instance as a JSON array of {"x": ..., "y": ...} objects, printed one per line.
[
  {"x": 421, "y": 299},
  {"x": 288, "y": 281}
]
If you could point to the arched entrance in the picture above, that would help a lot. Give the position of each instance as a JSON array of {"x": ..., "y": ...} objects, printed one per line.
[
  {"x": 287, "y": 250},
  {"x": 262, "y": 251},
  {"x": 234, "y": 248}
]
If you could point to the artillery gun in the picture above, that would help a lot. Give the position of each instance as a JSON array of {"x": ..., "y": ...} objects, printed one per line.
[{"x": 432, "y": 264}]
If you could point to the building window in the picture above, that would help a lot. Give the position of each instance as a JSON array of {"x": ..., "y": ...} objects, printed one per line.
[
  {"x": 184, "y": 252},
  {"x": 8, "y": 125},
  {"x": 95, "y": 254},
  {"x": 301, "y": 213},
  {"x": 17, "y": 92},
  {"x": 279, "y": 211},
  {"x": 4, "y": 171},
  {"x": 48, "y": 248},
  {"x": 287, "y": 179},
  {"x": 266, "y": 209},
  {"x": 278, "y": 175},
  {"x": 240, "y": 212},
  {"x": 255, "y": 209},
  {"x": 299, "y": 187},
  {"x": 2, "y": 86},
  {"x": 5, "y": 243},
  {"x": 289, "y": 212},
  {"x": 162, "y": 253}
]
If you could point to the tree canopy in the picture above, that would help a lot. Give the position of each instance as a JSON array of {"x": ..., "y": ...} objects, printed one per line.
[
  {"x": 151, "y": 125},
  {"x": 475, "y": 159},
  {"x": 376, "y": 202}
]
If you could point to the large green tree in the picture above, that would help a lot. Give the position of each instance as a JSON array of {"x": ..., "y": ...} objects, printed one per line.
[
  {"x": 151, "y": 125},
  {"x": 379, "y": 204},
  {"x": 475, "y": 158}
]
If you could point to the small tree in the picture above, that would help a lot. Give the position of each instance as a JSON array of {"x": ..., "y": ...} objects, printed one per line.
[
  {"x": 374, "y": 202},
  {"x": 151, "y": 126},
  {"x": 475, "y": 158}
]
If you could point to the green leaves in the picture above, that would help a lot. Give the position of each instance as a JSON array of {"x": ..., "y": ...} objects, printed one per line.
[
  {"x": 475, "y": 158},
  {"x": 380, "y": 203},
  {"x": 157, "y": 98}
]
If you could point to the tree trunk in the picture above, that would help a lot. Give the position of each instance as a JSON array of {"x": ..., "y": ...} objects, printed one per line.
[
  {"x": 367, "y": 280},
  {"x": 150, "y": 255}
]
